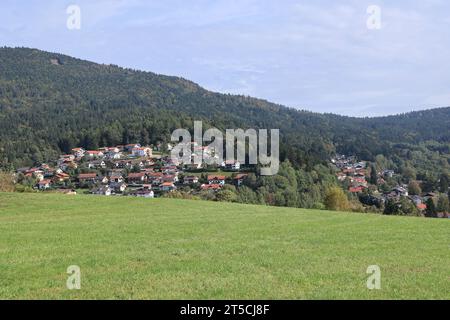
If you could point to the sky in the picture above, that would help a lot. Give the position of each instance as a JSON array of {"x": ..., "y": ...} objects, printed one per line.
[{"x": 325, "y": 56}]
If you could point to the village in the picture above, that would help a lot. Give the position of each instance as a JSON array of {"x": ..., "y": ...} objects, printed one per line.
[
  {"x": 145, "y": 171},
  {"x": 132, "y": 170},
  {"x": 354, "y": 175}
]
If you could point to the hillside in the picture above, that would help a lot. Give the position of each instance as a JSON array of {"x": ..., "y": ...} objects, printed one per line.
[
  {"x": 179, "y": 249},
  {"x": 50, "y": 103}
]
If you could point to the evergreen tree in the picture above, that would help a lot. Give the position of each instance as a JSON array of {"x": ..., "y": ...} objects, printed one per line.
[
  {"x": 373, "y": 175},
  {"x": 431, "y": 207}
]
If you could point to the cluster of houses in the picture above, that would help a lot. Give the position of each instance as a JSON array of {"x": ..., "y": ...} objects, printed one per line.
[
  {"x": 355, "y": 173},
  {"x": 129, "y": 169}
]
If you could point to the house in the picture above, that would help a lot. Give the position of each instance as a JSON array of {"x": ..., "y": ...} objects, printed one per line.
[
  {"x": 123, "y": 164},
  {"x": 401, "y": 191},
  {"x": 239, "y": 179},
  {"x": 116, "y": 177},
  {"x": 388, "y": 173},
  {"x": 141, "y": 152},
  {"x": 99, "y": 164},
  {"x": 421, "y": 206},
  {"x": 87, "y": 177},
  {"x": 66, "y": 157},
  {"x": 137, "y": 177},
  {"x": 190, "y": 180},
  {"x": 129, "y": 147},
  {"x": 155, "y": 178},
  {"x": 113, "y": 155},
  {"x": 417, "y": 200},
  {"x": 78, "y": 152},
  {"x": 231, "y": 165},
  {"x": 118, "y": 187},
  {"x": 44, "y": 167},
  {"x": 349, "y": 171},
  {"x": 193, "y": 166},
  {"x": 94, "y": 154},
  {"x": 356, "y": 189},
  {"x": 167, "y": 187},
  {"x": 148, "y": 163},
  {"x": 61, "y": 177},
  {"x": 67, "y": 165},
  {"x": 170, "y": 169},
  {"x": 144, "y": 193},
  {"x": 44, "y": 184},
  {"x": 170, "y": 178},
  {"x": 102, "y": 180},
  {"x": 360, "y": 165},
  {"x": 104, "y": 190},
  {"x": 23, "y": 170},
  {"x": 49, "y": 173},
  {"x": 139, "y": 164},
  {"x": 213, "y": 179},
  {"x": 360, "y": 172},
  {"x": 356, "y": 182},
  {"x": 39, "y": 175},
  {"x": 214, "y": 187}
]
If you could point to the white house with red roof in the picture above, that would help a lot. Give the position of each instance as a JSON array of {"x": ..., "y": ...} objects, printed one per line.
[{"x": 214, "y": 179}]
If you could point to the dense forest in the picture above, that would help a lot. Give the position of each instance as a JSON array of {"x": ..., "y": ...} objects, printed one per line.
[{"x": 50, "y": 103}]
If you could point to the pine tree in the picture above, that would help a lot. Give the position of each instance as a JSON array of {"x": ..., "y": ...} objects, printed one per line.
[
  {"x": 431, "y": 207},
  {"x": 373, "y": 175}
]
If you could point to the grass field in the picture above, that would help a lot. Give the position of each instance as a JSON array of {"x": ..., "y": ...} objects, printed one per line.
[{"x": 129, "y": 248}]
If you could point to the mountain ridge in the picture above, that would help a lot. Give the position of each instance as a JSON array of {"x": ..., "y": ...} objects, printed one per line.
[{"x": 199, "y": 87}]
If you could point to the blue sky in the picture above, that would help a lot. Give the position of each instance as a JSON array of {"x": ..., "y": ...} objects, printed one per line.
[{"x": 315, "y": 55}]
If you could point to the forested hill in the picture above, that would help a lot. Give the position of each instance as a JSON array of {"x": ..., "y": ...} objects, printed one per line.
[{"x": 50, "y": 103}]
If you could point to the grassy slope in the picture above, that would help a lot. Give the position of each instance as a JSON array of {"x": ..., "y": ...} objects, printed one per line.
[{"x": 160, "y": 248}]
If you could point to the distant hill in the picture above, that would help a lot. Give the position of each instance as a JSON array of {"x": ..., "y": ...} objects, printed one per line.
[{"x": 50, "y": 103}]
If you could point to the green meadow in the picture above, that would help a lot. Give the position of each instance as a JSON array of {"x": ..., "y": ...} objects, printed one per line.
[{"x": 130, "y": 248}]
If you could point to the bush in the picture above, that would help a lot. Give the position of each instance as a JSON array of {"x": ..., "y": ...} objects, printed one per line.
[
  {"x": 335, "y": 199},
  {"x": 6, "y": 182}
]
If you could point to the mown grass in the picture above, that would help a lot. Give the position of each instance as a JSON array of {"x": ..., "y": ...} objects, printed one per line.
[{"x": 129, "y": 248}]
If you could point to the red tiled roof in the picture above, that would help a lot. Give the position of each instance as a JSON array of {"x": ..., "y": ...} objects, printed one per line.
[
  {"x": 167, "y": 184},
  {"x": 212, "y": 177},
  {"x": 421, "y": 206},
  {"x": 355, "y": 189},
  {"x": 156, "y": 174},
  {"x": 87, "y": 175},
  {"x": 211, "y": 186},
  {"x": 136, "y": 175}
]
